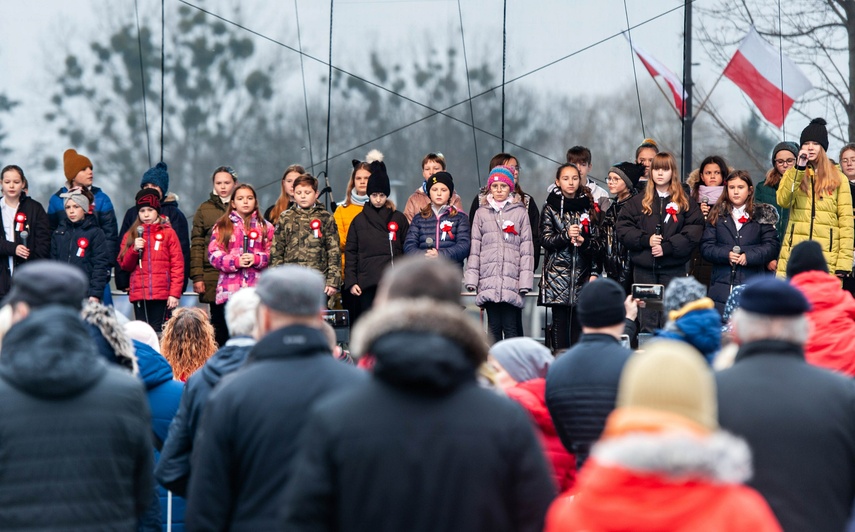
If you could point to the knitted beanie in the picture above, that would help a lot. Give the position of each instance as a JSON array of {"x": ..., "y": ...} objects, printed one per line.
[
  {"x": 682, "y": 290},
  {"x": 629, "y": 172},
  {"x": 157, "y": 176},
  {"x": 523, "y": 358},
  {"x": 502, "y": 174},
  {"x": 806, "y": 256},
  {"x": 148, "y": 197},
  {"x": 601, "y": 303},
  {"x": 73, "y": 163},
  {"x": 785, "y": 146},
  {"x": 670, "y": 376},
  {"x": 816, "y": 132},
  {"x": 379, "y": 179},
  {"x": 440, "y": 177}
]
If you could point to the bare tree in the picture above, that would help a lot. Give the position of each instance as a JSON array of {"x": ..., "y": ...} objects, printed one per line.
[{"x": 819, "y": 35}]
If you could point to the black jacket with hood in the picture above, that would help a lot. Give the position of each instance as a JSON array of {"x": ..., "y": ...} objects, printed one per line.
[
  {"x": 421, "y": 447},
  {"x": 173, "y": 468},
  {"x": 76, "y": 434},
  {"x": 243, "y": 454}
]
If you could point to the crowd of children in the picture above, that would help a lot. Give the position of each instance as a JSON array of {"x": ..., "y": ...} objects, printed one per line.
[{"x": 647, "y": 228}]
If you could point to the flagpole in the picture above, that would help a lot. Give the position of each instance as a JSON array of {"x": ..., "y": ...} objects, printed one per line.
[{"x": 687, "y": 87}]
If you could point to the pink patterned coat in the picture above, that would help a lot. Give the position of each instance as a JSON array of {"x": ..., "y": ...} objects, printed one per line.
[{"x": 227, "y": 260}]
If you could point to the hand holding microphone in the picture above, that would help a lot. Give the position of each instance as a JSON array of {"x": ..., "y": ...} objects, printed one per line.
[
  {"x": 22, "y": 250},
  {"x": 705, "y": 206},
  {"x": 801, "y": 162},
  {"x": 139, "y": 243},
  {"x": 431, "y": 252}
]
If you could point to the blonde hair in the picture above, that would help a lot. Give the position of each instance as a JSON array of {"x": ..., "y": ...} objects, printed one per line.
[
  {"x": 827, "y": 177},
  {"x": 188, "y": 341},
  {"x": 665, "y": 161}
]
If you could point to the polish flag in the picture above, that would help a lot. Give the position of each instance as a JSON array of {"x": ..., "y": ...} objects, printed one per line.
[
  {"x": 655, "y": 68},
  {"x": 756, "y": 68}
]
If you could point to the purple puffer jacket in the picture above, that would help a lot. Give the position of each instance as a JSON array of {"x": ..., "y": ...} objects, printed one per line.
[
  {"x": 501, "y": 263},
  {"x": 227, "y": 261}
]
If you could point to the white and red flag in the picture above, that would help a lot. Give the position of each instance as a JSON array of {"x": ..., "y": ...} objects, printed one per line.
[
  {"x": 655, "y": 68},
  {"x": 772, "y": 80}
]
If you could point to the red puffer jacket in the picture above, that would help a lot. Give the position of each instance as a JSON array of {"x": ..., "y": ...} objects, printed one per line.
[
  {"x": 532, "y": 396},
  {"x": 831, "y": 343},
  {"x": 162, "y": 271}
]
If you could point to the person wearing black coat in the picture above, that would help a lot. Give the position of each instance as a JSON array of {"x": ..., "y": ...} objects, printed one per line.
[
  {"x": 95, "y": 260},
  {"x": 243, "y": 455},
  {"x": 76, "y": 431},
  {"x": 32, "y": 218},
  {"x": 798, "y": 419},
  {"x": 421, "y": 447},
  {"x": 582, "y": 384},
  {"x": 757, "y": 239}
]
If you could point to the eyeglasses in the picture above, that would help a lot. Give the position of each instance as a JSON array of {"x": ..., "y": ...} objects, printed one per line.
[
  {"x": 611, "y": 179},
  {"x": 783, "y": 162}
]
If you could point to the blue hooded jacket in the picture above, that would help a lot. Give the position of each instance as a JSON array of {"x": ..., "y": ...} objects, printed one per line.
[{"x": 164, "y": 396}]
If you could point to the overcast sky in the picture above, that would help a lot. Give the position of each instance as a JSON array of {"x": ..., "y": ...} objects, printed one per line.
[{"x": 36, "y": 32}]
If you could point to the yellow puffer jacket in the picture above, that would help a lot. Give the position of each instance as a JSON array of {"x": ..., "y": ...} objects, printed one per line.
[
  {"x": 344, "y": 215},
  {"x": 829, "y": 222}
]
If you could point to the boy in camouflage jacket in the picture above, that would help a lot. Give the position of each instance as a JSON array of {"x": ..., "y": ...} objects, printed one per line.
[{"x": 307, "y": 235}]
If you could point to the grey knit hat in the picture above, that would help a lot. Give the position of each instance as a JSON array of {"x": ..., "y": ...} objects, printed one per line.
[
  {"x": 681, "y": 291},
  {"x": 523, "y": 358}
]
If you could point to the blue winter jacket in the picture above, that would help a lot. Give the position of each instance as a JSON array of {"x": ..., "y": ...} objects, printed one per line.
[
  {"x": 93, "y": 259},
  {"x": 453, "y": 244},
  {"x": 164, "y": 396}
]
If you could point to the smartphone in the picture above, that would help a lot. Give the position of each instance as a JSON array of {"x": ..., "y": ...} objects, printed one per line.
[
  {"x": 650, "y": 294},
  {"x": 624, "y": 341}
]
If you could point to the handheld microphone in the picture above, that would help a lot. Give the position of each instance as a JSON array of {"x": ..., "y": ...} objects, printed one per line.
[
  {"x": 245, "y": 243},
  {"x": 429, "y": 241},
  {"x": 24, "y": 235},
  {"x": 706, "y": 201},
  {"x": 658, "y": 230},
  {"x": 140, "y": 231},
  {"x": 737, "y": 250}
]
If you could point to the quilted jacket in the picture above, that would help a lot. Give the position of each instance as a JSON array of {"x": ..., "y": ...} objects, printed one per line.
[
  {"x": 159, "y": 272},
  {"x": 227, "y": 259}
]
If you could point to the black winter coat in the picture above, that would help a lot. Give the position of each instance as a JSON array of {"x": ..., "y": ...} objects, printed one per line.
[
  {"x": 614, "y": 256},
  {"x": 38, "y": 239},
  {"x": 178, "y": 222},
  {"x": 758, "y": 239},
  {"x": 533, "y": 218},
  {"x": 76, "y": 431},
  {"x": 173, "y": 468},
  {"x": 95, "y": 262},
  {"x": 581, "y": 389},
  {"x": 243, "y": 454},
  {"x": 368, "y": 250},
  {"x": 421, "y": 447},
  {"x": 566, "y": 268},
  {"x": 799, "y": 421},
  {"x": 679, "y": 238}
]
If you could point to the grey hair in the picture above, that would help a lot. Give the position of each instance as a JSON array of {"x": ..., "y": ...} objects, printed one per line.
[
  {"x": 750, "y": 327},
  {"x": 240, "y": 312}
]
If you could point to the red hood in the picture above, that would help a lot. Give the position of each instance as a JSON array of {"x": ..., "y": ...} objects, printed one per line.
[{"x": 831, "y": 343}]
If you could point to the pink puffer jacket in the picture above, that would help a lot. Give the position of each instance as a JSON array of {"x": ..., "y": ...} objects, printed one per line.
[{"x": 227, "y": 259}]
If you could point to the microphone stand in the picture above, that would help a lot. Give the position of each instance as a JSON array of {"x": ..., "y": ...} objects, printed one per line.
[{"x": 326, "y": 192}]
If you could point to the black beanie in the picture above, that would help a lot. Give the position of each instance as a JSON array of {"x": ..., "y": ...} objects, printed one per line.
[
  {"x": 805, "y": 257},
  {"x": 629, "y": 172},
  {"x": 440, "y": 177},
  {"x": 816, "y": 132},
  {"x": 379, "y": 180},
  {"x": 148, "y": 197},
  {"x": 600, "y": 303}
]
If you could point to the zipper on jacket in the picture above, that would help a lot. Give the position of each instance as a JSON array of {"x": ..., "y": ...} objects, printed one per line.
[
  {"x": 790, "y": 241},
  {"x": 148, "y": 258},
  {"x": 830, "y": 238},
  {"x": 812, "y": 207},
  {"x": 436, "y": 240}
]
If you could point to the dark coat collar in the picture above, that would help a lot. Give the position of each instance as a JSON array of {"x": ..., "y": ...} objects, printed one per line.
[
  {"x": 294, "y": 341},
  {"x": 770, "y": 347}
]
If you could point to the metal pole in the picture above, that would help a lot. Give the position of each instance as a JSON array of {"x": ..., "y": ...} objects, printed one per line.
[{"x": 687, "y": 85}]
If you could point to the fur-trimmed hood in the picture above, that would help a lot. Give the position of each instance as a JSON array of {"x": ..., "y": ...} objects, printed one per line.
[
  {"x": 114, "y": 343},
  {"x": 720, "y": 457},
  {"x": 421, "y": 344},
  {"x": 765, "y": 213}
]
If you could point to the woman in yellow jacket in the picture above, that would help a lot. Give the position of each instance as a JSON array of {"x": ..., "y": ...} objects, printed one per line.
[{"x": 820, "y": 203}]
